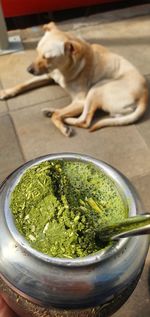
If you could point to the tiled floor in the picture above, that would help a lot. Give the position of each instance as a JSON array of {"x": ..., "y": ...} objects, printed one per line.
[{"x": 25, "y": 133}]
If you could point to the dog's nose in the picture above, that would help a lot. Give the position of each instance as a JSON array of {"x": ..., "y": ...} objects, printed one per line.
[{"x": 31, "y": 69}]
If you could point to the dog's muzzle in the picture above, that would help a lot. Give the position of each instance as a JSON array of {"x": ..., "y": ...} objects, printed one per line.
[{"x": 32, "y": 69}]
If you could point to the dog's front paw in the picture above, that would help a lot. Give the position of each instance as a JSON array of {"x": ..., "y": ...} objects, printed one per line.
[
  {"x": 68, "y": 131},
  {"x": 48, "y": 112},
  {"x": 3, "y": 95},
  {"x": 7, "y": 93}
]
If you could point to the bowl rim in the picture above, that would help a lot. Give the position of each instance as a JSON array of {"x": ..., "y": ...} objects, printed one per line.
[{"x": 122, "y": 184}]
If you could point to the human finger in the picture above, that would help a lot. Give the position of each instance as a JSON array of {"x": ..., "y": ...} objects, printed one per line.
[{"x": 5, "y": 311}]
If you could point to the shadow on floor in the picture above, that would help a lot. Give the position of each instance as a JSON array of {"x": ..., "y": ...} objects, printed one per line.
[{"x": 120, "y": 41}]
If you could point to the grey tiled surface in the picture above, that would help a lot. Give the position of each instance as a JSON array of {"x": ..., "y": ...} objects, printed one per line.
[
  {"x": 10, "y": 153},
  {"x": 25, "y": 133},
  {"x": 37, "y": 134},
  {"x": 142, "y": 185}
]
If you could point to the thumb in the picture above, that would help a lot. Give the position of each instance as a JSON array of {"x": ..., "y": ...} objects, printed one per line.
[{"x": 5, "y": 311}]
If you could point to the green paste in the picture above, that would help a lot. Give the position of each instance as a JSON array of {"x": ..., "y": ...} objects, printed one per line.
[{"x": 59, "y": 206}]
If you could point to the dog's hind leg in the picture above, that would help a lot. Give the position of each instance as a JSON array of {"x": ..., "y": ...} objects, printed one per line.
[
  {"x": 32, "y": 83},
  {"x": 90, "y": 106},
  {"x": 130, "y": 112},
  {"x": 81, "y": 121}
]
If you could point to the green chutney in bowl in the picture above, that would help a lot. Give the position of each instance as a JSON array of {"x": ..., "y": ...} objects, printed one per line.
[{"x": 59, "y": 205}]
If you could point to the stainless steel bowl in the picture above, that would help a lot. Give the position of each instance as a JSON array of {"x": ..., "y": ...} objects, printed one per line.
[{"x": 35, "y": 284}]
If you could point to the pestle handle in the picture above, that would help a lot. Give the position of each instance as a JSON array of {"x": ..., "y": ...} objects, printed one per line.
[{"x": 132, "y": 226}]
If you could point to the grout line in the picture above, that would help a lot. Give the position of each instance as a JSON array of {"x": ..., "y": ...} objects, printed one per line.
[
  {"x": 3, "y": 114},
  {"x": 5, "y": 101},
  {"x": 143, "y": 139},
  {"x": 16, "y": 135},
  {"x": 140, "y": 175},
  {"x": 37, "y": 104}
]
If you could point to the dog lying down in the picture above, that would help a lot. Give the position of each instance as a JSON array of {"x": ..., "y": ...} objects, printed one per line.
[{"x": 94, "y": 77}]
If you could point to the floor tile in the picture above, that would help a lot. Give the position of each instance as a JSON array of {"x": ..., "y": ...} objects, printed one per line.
[
  {"x": 10, "y": 154},
  {"x": 33, "y": 97},
  {"x": 142, "y": 185},
  {"x": 3, "y": 105},
  {"x": 123, "y": 147}
]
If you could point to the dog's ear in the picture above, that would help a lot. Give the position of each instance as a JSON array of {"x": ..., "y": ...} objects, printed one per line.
[
  {"x": 49, "y": 26},
  {"x": 72, "y": 48},
  {"x": 68, "y": 48}
]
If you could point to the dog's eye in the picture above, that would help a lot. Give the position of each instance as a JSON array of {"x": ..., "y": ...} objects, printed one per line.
[{"x": 44, "y": 57}]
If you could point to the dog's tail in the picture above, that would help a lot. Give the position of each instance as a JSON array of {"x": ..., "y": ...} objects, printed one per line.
[{"x": 126, "y": 119}]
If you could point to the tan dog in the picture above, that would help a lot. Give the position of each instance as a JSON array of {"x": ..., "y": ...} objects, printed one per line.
[{"x": 94, "y": 77}]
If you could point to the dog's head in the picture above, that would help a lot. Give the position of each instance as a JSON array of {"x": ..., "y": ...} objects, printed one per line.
[{"x": 56, "y": 49}]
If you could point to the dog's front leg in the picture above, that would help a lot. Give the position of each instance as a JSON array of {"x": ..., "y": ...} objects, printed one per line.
[
  {"x": 58, "y": 117},
  {"x": 32, "y": 83}
]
